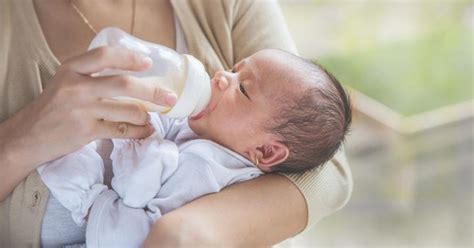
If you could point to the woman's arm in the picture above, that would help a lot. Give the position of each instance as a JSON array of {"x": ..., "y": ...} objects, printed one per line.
[
  {"x": 259, "y": 212},
  {"x": 263, "y": 211},
  {"x": 72, "y": 112},
  {"x": 270, "y": 208}
]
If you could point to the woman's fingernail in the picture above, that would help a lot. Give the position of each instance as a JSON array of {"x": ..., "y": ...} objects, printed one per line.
[
  {"x": 171, "y": 99},
  {"x": 148, "y": 118},
  {"x": 150, "y": 128},
  {"x": 146, "y": 60}
]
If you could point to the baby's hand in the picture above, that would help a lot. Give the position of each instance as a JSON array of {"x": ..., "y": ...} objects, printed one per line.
[{"x": 140, "y": 167}]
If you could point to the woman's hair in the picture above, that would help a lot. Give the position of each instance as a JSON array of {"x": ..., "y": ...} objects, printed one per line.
[{"x": 314, "y": 123}]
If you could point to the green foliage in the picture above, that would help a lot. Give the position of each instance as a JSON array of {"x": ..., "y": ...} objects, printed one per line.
[{"x": 412, "y": 76}]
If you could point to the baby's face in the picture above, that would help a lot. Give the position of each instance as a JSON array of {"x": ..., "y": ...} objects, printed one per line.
[{"x": 243, "y": 101}]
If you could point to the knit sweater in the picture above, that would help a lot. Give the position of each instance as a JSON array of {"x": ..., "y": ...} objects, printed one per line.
[{"x": 217, "y": 32}]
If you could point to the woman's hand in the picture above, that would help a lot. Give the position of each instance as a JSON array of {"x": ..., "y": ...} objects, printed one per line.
[{"x": 75, "y": 109}]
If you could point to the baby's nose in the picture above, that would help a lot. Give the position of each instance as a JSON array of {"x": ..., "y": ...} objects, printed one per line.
[{"x": 222, "y": 80}]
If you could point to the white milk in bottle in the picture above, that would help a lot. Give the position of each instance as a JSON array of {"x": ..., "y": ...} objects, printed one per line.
[{"x": 183, "y": 74}]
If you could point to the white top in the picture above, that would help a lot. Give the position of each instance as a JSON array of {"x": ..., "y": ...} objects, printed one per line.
[
  {"x": 152, "y": 177},
  {"x": 155, "y": 176}
]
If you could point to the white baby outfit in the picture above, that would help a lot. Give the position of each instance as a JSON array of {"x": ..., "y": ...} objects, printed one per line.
[{"x": 152, "y": 176}]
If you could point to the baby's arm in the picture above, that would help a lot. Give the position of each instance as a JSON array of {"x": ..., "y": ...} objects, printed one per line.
[
  {"x": 204, "y": 168},
  {"x": 140, "y": 168},
  {"x": 75, "y": 180},
  {"x": 192, "y": 179},
  {"x": 199, "y": 172},
  {"x": 112, "y": 223}
]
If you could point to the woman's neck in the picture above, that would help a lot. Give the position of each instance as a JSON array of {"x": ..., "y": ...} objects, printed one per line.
[{"x": 68, "y": 35}]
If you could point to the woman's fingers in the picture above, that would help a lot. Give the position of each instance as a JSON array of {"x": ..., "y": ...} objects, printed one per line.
[
  {"x": 113, "y": 118},
  {"x": 108, "y": 57},
  {"x": 119, "y": 119},
  {"x": 121, "y": 111},
  {"x": 142, "y": 88},
  {"x": 102, "y": 58},
  {"x": 122, "y": 130}
]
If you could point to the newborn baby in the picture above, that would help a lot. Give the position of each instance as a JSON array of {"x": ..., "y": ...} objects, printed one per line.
[{"x": 272, "y": 112}]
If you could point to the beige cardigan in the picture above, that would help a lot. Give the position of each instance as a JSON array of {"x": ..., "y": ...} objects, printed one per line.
[{"x": 217, "y": 32}]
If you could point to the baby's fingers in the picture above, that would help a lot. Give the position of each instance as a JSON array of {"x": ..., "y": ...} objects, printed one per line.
[{"x": 108, "y": 57}]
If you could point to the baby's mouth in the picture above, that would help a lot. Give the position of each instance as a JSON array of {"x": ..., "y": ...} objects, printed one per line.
[
  {"x": 199, "y": 115},
  {"x": 210, "y": 107}
]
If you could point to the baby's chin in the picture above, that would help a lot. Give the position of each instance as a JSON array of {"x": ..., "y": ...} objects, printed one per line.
[{"x": 197, "y": 125}]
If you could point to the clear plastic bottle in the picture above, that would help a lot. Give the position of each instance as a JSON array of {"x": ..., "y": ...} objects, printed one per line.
[{"x": 181, "y": 73}]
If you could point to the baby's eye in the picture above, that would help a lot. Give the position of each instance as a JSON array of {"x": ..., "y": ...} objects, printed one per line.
[{"x": 242, "y": 89}]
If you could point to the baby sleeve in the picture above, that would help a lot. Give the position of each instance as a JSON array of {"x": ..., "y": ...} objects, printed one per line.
[
  {"x": 204, "y": 168},
  {"x": 75, "y": 180},
  {"x": 192, "y": 179},
  {"x": 113, "y": 224},
  {"x": 141, "y": 166}
]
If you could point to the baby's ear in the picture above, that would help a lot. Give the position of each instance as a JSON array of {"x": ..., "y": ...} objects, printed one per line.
[{"x": 271, "y": 154}]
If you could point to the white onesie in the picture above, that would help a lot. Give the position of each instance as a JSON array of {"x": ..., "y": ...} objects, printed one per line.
[{"x": 152, "y": 176}]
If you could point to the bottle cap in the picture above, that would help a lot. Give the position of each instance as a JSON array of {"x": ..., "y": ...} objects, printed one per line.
[{"x": 196, "y": 92}]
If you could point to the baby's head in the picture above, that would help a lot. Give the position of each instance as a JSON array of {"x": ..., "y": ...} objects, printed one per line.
[{"x": 278, "y": 110}]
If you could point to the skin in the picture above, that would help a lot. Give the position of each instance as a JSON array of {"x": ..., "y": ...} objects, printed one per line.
[
  {"x": 71, "y": 111},
  {"x": 61, "y": 120},
  {"x": 247, "y": 214}
]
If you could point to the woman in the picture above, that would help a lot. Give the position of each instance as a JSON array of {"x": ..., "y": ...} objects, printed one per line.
[{"x": 50, "y": 106}]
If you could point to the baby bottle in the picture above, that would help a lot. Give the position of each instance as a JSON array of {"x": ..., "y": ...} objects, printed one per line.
[{"x": 183, "y": 74}]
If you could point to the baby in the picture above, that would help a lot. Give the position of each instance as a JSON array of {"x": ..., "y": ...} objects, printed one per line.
[{"x": 273, "y": 112}]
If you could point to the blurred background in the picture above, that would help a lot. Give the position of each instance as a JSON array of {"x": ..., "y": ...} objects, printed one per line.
[{"x": 409, "y": 67}]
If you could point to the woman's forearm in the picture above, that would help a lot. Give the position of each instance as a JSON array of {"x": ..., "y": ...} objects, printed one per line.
[
  {"x": 15, "y": 164},
  {"x": 73, "y": 111},
  {"x": 264, "y": 211}
]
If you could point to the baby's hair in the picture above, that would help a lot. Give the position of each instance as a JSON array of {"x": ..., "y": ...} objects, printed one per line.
[{"x": 315, "y": 122}]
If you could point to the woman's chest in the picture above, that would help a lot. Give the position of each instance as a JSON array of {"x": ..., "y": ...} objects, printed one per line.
[{"x": 69, "y": 31}]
